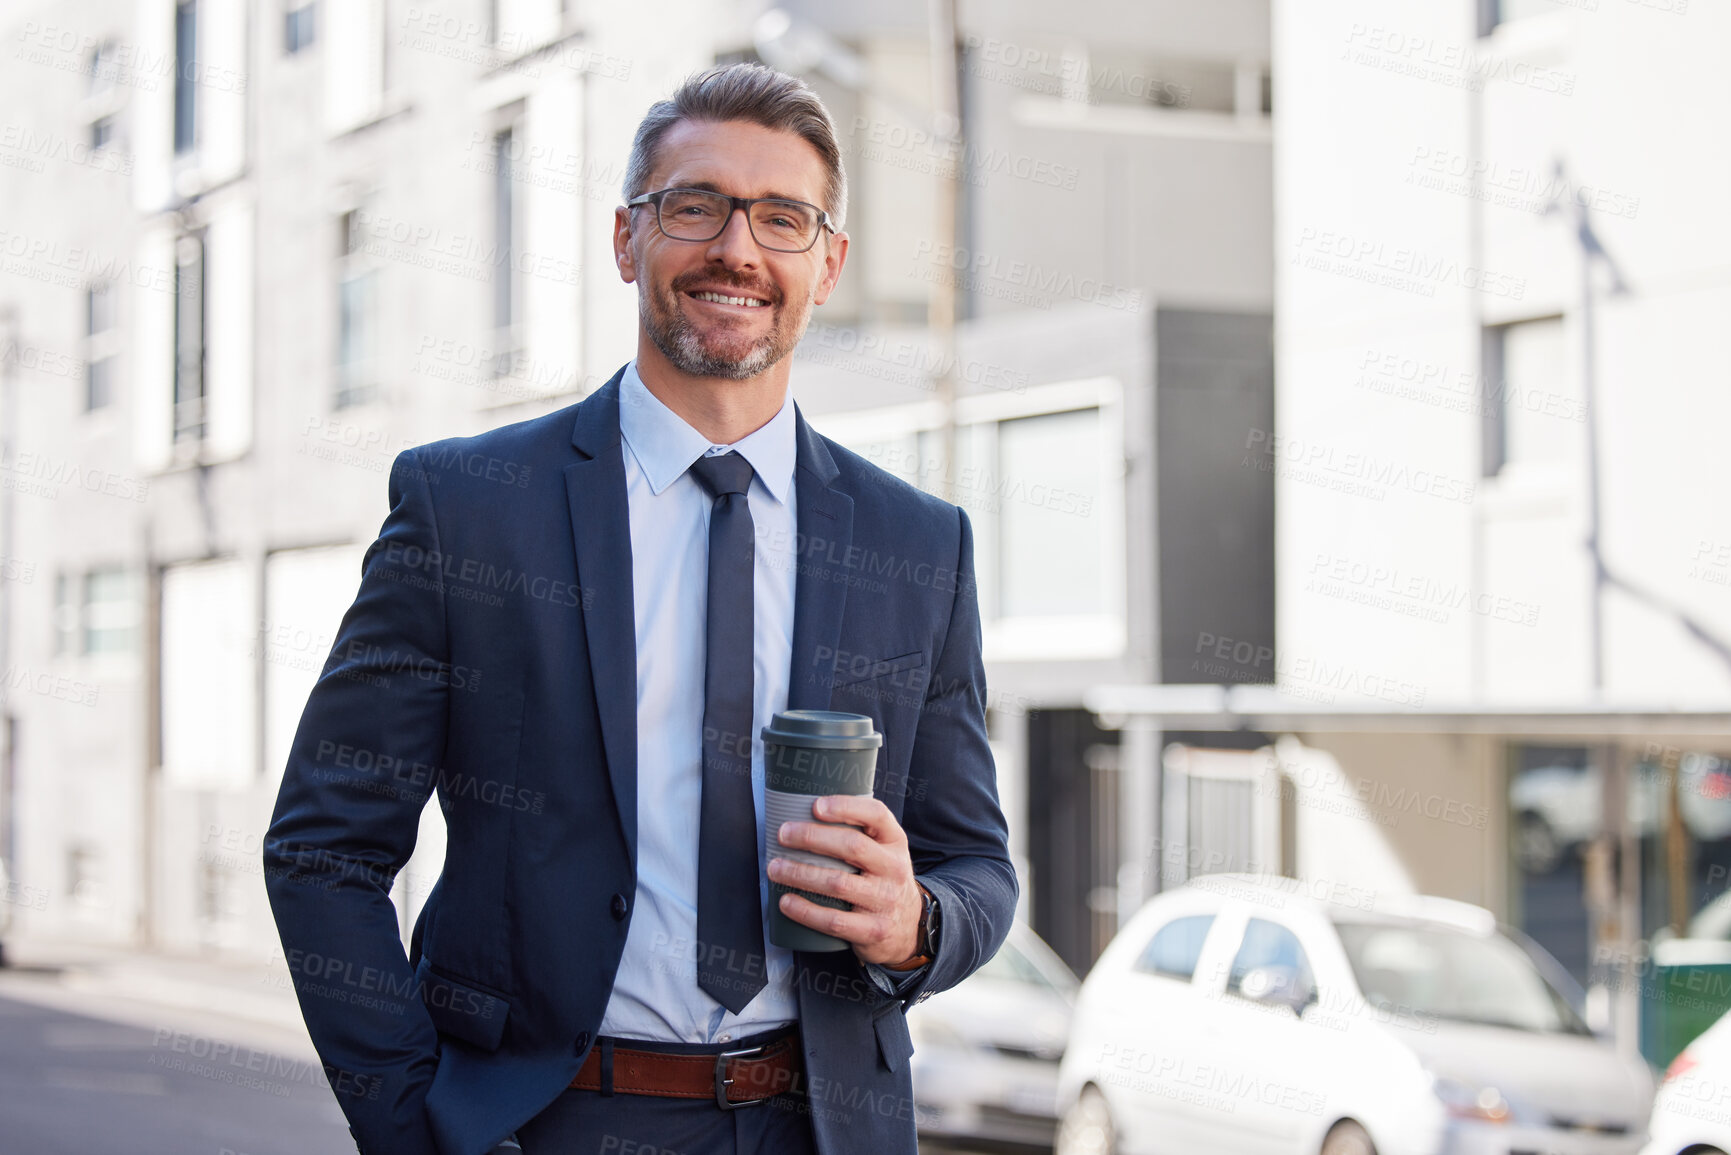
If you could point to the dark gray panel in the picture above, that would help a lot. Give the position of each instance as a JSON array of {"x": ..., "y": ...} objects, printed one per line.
[
  {"x": 1072, "y": 825},
  {"x": 1214, "y": 386}
]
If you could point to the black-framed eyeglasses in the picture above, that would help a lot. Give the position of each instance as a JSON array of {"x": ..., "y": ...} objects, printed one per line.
[{"x": 696, "y": 214}]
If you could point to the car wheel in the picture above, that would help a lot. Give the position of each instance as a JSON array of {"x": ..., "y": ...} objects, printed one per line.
[
  {"x": 1536, "y": 847},
  {"x": 1348, "y": 1138},
  {"x": 1086, "y": 1128}
]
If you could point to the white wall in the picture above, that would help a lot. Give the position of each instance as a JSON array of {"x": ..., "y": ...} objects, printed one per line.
[{"x": 1395, "y": 558}]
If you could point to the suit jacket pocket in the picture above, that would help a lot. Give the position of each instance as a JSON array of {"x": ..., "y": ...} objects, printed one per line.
[
  {"x": 461, "y": 1009},
  {"x": 859, "y": 670},
  {"x": 895, "y": 1044}
]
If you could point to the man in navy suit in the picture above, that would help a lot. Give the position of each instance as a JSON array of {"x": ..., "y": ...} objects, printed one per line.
[{"x": 565, "y": 629}]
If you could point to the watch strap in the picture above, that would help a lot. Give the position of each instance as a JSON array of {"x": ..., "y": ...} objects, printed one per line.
[{"x": 924, "y": 949}]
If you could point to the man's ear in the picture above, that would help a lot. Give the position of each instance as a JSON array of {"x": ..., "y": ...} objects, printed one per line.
[
  {"x": 623, "y": 255},
  {"x": 835, "y": 256}
]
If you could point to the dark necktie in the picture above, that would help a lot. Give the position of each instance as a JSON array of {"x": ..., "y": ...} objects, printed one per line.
[{"x": 730, "y": 961}]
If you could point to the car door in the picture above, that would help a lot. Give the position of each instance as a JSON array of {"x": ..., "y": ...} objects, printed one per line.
[
  {"x": 1271, "y": 1061},
  {"x": 1160, "y": 1018}
]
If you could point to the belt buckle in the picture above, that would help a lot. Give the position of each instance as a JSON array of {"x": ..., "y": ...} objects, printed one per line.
[{"x": 722, "y": 1082}]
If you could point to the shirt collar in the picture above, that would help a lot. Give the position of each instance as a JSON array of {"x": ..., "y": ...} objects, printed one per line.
[{"x": 665, "y": 445}]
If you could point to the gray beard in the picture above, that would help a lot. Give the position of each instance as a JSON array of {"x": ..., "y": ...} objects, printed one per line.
[{"x": 682, "y": 345}]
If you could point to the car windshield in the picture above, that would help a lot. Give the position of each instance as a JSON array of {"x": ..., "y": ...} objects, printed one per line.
[{"x": 1430, "y": 970}]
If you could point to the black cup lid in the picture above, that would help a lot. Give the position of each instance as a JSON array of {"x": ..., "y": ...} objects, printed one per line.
[{"x": 825, "y": 729}]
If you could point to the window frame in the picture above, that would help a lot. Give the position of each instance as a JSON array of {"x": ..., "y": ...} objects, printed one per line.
[
  {"x": 299, "y": 26},
  {"x": 508, "y": 206},
  {"x": 1028, "y": 637},
  {"x": 1494, "y": 396},
  {"x": 355, "y": 382},
  {"x": 78, "y": 620},
  {"x": 101, "y": 345},
  {"x": 186, "y": 432},
  {"x": 185, "y": 130}
]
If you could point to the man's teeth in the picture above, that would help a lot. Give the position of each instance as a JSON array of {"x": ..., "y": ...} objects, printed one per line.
[{"x": 748, "y": 301}]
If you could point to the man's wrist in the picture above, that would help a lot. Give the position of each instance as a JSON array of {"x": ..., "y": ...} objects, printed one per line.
[{"x": 925, "y": 948}]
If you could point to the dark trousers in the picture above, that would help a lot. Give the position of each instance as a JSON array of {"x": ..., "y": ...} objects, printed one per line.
[{"x": 590, "y": 1123}]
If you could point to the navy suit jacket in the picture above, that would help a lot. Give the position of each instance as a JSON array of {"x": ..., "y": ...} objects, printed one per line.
[{"x": 490, "y": 658}]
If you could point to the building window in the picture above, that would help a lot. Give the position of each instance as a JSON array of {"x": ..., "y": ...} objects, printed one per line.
[
  {"x": 1531, "y": 409},
  {"x": 306, "y": 592},
  {"x": 355, "y": 61},
  {"x": 1045, "y": 485},
  {"x": 1040, "y": 477},
  {"x": 1115, "y": 77},
  {"x": 109, "y": 612},
  {"x": 1031, "y": 487},
  {"x": 1566, "y": 827},
  {"x": 104, "y": 67},
  {"x": 189, "y": 335},
  {"x": 507, "y": 292},
  {"x": 95, "y": 612},
  {"x": 1497, "y": 12},
  {"x": 209, "y": 675},
  {"x": 1488, "y": 13},
  {"x": 81, "y": 871},
  {"x": 100, "y": 344},
  {"x": 185, "y": 75},
  {"x": 299, "y": 25},
  {"x": 356, "y": 374}
]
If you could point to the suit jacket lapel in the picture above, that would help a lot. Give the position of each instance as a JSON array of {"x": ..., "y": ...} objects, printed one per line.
[
  {"x": 601, "y": 527},
  {"x": 825, "y": 532}
]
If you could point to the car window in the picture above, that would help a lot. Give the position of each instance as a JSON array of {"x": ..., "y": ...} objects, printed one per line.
[
  {"x": 1268, "y": 944},
  {"x": 1442, "y": 971},
  {"x": 1175, "y": 947}
]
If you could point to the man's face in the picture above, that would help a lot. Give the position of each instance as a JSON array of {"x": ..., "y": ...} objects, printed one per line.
[{"x": 676, "y": 279}]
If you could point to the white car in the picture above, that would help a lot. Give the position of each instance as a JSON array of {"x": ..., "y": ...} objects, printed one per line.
[
  {"x": 986, "y": 1051},
  {"x": 1242, "y": 1013},
  {"x": 1692, "y": 1113}
]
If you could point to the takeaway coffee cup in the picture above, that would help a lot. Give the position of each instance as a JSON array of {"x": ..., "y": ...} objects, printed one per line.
[{"x": 807, "y": 754}]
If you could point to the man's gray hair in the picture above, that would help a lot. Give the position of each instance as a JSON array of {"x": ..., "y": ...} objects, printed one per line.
[{"x": 748, "y": 92}]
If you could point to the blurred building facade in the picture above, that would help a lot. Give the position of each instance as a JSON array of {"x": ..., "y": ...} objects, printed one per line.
[
  {"x": 1499, "y": 278},
  {"x": 253, "y": 250}
]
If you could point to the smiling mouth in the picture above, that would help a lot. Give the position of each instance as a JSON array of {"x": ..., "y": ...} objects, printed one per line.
[{"x": 724, "y": 299}]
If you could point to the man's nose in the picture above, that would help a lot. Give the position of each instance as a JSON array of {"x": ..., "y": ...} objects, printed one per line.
[{"x": 736, "y": 247}]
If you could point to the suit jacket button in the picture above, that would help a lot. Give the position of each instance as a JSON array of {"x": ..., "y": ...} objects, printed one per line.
[
  {"x": 582, "y": 1043},
  {"x": 619, "y": 907}
]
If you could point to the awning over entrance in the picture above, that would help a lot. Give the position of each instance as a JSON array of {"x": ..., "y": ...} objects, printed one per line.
[{"x": 1268, "y": 709}]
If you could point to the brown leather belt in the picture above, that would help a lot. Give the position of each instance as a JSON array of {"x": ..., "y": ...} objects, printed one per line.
[{"x": 732, "y": 1078}]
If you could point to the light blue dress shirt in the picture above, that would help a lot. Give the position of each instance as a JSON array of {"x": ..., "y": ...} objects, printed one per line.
[{"x": 655, "y": 993}]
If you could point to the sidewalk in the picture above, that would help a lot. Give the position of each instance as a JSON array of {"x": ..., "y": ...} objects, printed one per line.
[{"x": 245, "y": 1002}]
